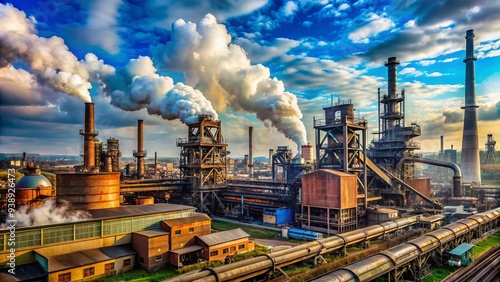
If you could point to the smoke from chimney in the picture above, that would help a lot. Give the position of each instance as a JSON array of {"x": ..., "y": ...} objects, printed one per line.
[{"x": 470, "y": 145}]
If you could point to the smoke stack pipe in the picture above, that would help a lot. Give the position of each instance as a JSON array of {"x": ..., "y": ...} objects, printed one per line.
[
  {"x": 392, "y": 64},
  {"x": 23, "y": 162},
  {"x": 470, "y": 143},
  {"x": 88, "y": 137},
  {"x": 156, "y": 162},
  {"x": 271, "y": 151},
  {"x": 441, "y": 152},
  {"x": 250, "y": 158},
  {"x": 140, "y": 153}
]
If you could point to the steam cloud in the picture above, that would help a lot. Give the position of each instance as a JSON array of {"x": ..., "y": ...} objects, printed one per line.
[
  {"x": 49, "y": 59},
  {"x": 222, "y": 71},
  {"x": 217, "y": 73},
  {"x": 49, "y": 213}
]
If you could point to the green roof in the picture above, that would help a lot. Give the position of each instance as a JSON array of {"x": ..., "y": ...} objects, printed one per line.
[{"x": 460, "y": 250}]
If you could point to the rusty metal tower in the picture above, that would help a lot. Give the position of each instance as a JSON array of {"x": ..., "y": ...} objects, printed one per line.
[
  {"x": 341, "y": 145},
  {"x": 203, "y": 161}
]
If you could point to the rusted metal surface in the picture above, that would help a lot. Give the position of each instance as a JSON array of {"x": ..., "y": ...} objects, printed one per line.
[{"x": 330, "y": 189}]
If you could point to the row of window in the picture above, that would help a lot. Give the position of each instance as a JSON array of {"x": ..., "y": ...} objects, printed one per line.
[
  {"x": 178, "y": 232},
  {"x": 226, "y": 250},
  {"x": 90, "y": 271},
  {"x": 78, "y": 231}
]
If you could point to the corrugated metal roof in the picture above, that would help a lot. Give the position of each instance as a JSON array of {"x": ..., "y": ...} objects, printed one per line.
[
  {"x": 126, "y": 211},
  {"x": 223, "y": 237},
  {"x": 87, "y": 257},
  {"x": 24, "y": 272},
  {"x": 460, "y": 250},
  {"x": 152, "y": 232},
  {"x": 186, "y": 220},
  {"x": 432, "y": 218},
  {"x": 187, "y": 250}
]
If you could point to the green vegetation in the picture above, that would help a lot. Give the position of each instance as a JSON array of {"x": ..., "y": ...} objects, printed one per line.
[
  {"x": 137, "y": 275},
  {"x": 481, "y": 247},
  {"x": 4, "y": 175},
  {"x": 254, "y": 232},
  {"x": 439, "y": 273}
]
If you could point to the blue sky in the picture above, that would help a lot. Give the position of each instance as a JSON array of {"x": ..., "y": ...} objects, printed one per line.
[{"x": 272, "y": 65}]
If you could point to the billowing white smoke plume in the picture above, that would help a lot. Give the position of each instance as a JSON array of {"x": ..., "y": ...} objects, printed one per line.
[
  {"x": 49, "y": 213},
  {"x": 48, "y": 58},
  {"x": 223, "y": 73},
  {"x": 138, "y": 86}
]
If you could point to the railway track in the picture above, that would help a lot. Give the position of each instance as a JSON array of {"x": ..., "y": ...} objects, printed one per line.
[{"x": 485, "y": 269}]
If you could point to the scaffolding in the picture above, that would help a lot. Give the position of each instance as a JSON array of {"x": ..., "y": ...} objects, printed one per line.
[{"x": 203, "y": 161}]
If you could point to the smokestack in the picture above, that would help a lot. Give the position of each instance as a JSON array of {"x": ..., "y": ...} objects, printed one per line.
[
  {"x": 140, "y": 153},
  {"x": 469, "y": 162},
  {"x": 156, "y": 162},
  {"x": 306, "y": 152},
  {"x": 88, "y": 137},
  {"x": 441, "y": 152},
  {"x": 271, "y": 151},
  {"x": 392, "y": 104},
  {"x": 250, "y": 158},
  {"x": 23, "y": 162}
]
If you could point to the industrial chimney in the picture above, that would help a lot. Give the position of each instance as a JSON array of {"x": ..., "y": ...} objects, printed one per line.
[
  {"x": 469, "y": 162},
  {"x": 89, "y": 135},
  {"x": 250, "y": 157},
  {"x": 392, "y": 115},
  {"x": 271, "y": 152},
  {"x": 140, "y": 153}
]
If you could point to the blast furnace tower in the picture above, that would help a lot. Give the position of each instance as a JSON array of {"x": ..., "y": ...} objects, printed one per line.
[{"x": 203, "y": 161}]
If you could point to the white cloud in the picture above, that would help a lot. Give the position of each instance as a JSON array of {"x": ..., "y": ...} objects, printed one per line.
[
  {"x": 376, "y": 24},
  {"x": 344, "y": 6},
  {"x": 448, "y": 60},
  {"x": 427, "y": 62},
  {"x": 289, "y": 9},
  {"x": 264, "y": 51},
  {"x": 307, "y": 23},
  {"x": 435, "y": 74},
  {"x": 410, "y": 72}
]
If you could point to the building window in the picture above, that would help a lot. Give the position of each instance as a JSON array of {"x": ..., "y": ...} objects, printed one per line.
[
  {"x": 191, "y": 229},
  {"x": 141, "y": 260},
  {"x": 225, "y": 251},
  {"x": 158, "y": 258},
  {"x": 177, "y": 232},
  {"x": 65, "y": 277},
  {"x": 214, "y": 253},
  {"x": 108, "y": 267},
  {"x": 127, "y": 262},
  {"x": 88, "y": 271},
  {"x": 233, "y": 249},
  {"x": 242, "y": 246}
]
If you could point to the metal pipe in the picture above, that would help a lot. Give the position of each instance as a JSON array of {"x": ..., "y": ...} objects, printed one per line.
[
  {"x": 252, "y": 267},
  {"x": 457, "y": 178},
  {"x": 441, "y": 152},
  {"x": 470, "y": 143},
  {"x": 271, "y": 151},
  {"x": 156, "y": 163},
  {"x": 250, "y": 157}
]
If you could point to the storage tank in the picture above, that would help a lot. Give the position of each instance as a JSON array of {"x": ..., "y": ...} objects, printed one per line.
[
  {"x": 32, "y": 187},
  {"x": 90, "y": 191}
]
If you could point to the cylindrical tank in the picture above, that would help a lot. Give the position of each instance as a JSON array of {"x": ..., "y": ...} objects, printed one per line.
[
  {"x": 32, "y": 187},
  {"x": 90, "y": 191},
  {"x": 144, "y": 200}
]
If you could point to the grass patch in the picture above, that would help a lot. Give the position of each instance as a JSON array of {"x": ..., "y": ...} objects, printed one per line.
[
  {"x": 253, "y": 231},
  {"x": 486, "y": 244},
  {"x": 439, "y": 273},
  {"x": 137, "y": 275}
]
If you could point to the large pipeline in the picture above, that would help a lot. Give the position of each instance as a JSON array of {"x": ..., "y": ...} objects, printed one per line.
[
  {"x": 258, "y": 265},
  {"x": 379, "y": 264},
  {"x": 457, "y": 177}
]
